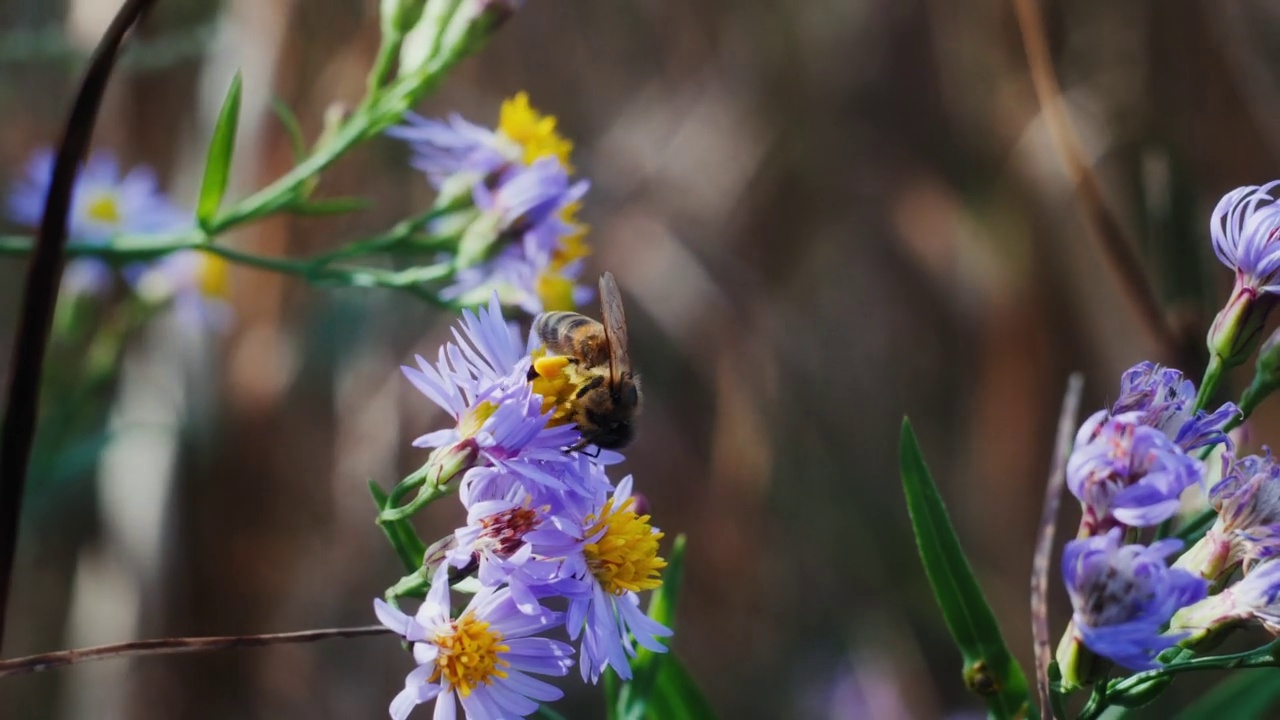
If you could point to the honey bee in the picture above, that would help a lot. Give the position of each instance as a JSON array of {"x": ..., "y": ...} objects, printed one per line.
[{"x": 607, "y": 395}]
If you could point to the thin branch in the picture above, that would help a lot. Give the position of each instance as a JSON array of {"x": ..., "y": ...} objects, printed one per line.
[
  {"x": 1044, "y": 543},
  {"x": 41, "y": 292},
  {"x": 1103, "y": 224},
  {"x": 173, "y": 646}
]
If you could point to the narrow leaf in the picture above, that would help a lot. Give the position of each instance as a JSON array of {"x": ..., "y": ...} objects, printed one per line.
[
  {"x": 291, "y": 126},
  {"x": 1242, "y": 696},
  {"x": 989, "y": 669},
  {"x": 633, "y": 698},
  {"x": 217, "y": 168},
  {"x": 676, "y": 695}
]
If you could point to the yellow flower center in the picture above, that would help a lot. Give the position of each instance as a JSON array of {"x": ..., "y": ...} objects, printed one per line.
[
  {"x": 557, "y": 380},
  {"x": 469, "y": 654},
  {"x": 214, "y": 276},
  {"x": 555, "y": 291},
  {"x": 626, "y": 556},
  {"x": 104, "y": 209},
  {"x": 534, "y": 132},
  {"x": 474, "y": 419}
]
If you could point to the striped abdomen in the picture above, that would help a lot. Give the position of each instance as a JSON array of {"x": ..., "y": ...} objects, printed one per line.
[{"x": 574, "y": 335}]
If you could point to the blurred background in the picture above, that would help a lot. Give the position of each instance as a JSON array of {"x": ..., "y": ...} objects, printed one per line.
[{"x": 824, "y": 214}]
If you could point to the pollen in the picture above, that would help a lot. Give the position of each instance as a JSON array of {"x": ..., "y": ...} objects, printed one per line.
[
  {"x": 534, "y": 132},
  {"x": 555, "y": 378},
  {"x": 474, "y": 419},
  {"x": 625, "y": 558},
  {"x": 104, "y": 208},
  {"x": 469, "y": 654}
]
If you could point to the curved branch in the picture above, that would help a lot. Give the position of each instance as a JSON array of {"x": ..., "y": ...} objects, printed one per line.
[
  {"x": 1103, "y": 224},
  {"x": 173, "y": 646}
]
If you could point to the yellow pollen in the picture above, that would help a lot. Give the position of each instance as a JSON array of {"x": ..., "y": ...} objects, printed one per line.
[
  {"x": 474, "y": 419},
  {"x": 214, "y": 276},
  {"x": 557, "y": 380},
  {"x": 626, "y": 556},
  {"x": 104, "y": 208},
  {"x": 534, "y": 132},
  {"x": 468, "y": 654}
]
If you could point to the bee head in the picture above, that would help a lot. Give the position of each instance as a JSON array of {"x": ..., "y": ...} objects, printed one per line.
[{"x": 606, "y": 411}]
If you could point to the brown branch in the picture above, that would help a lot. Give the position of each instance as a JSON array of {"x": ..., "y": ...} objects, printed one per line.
[
  {"x": 172, "y": 646},
  {"x": 41, "y": 292},
  {"x": 1102, "y": 222},
  {"x": 1044, "y": 543}
]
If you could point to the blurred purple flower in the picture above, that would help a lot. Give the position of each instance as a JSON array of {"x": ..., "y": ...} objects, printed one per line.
[
  {"x": 1164, "y": 397},
  {"x": 442, "y": 149},
  {"x": 1123, "y": 595},
  {"x": 482, "y": 659},
  {"x": 104, "y": 204},
  {"x": 1127, "y": 473}
]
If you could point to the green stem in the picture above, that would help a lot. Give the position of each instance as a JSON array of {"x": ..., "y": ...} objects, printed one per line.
[{"x": 1209, "y": 385}]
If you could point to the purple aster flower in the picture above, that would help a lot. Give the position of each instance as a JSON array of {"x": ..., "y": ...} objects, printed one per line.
[
  {"x": 1247, "y": 529},
  {"x": 1127, "y": 473},
  {"x": 1164, "y": 397},
  {"x": 195, "y": 282},
  {"x": 1255, "y": 597},
  {"x": 519, "y": 542},
  {"x": 104, "y": 204},
  {"x": 482, "y": 659},
  {"x": 619, "y": 559},
  {"x": 1244, "y": 231},
  {"x": 530, "y": 200},
  {"x": 1123, "y": 595},
  {"x": 442, "y": 149}
]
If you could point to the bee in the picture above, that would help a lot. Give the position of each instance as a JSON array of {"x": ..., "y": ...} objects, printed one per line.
[{"x": 607, "y": 397}]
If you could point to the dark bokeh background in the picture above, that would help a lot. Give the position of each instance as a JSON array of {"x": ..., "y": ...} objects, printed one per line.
[{"x": 824, "y": 214}]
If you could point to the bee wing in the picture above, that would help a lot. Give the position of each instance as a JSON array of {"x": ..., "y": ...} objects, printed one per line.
[{"x": 615, "y": 327}]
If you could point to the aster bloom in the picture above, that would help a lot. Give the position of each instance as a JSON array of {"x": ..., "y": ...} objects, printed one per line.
[
  {"x": 1247, "y": 529},
  {"x": 196, "y": 282},
  {"x": 1244, "y": 227},
  {"x": 1127, "y": 473},
  {"x": 442, "y": 149},
  {"x": 104, "y": 204},
  {"x": 619, "y": 559},
  {"x": 1123, "y": 595},
  {"x": 482, "y": 659},
  {"x": 1165, "y": 397},
  {"x": 1255, "y": 597}
]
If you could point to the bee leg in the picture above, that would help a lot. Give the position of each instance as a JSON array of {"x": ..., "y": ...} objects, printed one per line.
[{"x": 578, "y": 446}]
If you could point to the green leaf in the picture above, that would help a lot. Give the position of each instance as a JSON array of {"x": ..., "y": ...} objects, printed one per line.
[
  {"x": 292, "y": 127},
  {"x": 404, "y": 539},
  {"x": 330, "y": 206},
  {"x": 676, "y": 696},
  {"x": 634, "y": 695},
  {"x": 1241, "y": 696},
  {"x": 989, "y": 670},
  {"x": 217, "y": 167}
]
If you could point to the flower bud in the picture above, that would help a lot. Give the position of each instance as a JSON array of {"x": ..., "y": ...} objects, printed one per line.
[
  {"x": 451, "y": 461},
  {"x": 473, "y": 23},
  {"x": 1237, "y": 330},
  {"x": 399, "y": 16}
]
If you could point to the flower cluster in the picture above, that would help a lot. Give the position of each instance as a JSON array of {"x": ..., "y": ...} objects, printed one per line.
[
  {"x": 543, "y": 522},
  {"x": 106, "y": 204},
  {"x": 509, "y": 203}
]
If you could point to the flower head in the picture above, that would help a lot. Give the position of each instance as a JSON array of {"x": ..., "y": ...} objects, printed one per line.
[
  {"x": 1123, "y": 595},
  {"x": 481, "y": 659},
  {"x": 1244, "y": 229},
  {"x": 1164, "y": 398},
  {"x": 619, "y": 558},
  {"x": 1247, "y": 529},
  {"x": 1127, "y": 473},
  {"x": 195, "y": 281}
]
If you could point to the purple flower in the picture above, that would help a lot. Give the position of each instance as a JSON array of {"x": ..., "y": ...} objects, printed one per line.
[
  {"x": 530, "y": 200},
  {"x": 1123, "y": 595},
  {"x": 195, "y": 282},
  {"x": 1247, "y": 530},
  {"x": 482, "y": 658},
  {"x": 618, "y": 560},
  {"x": 1164, "y": 398},
  {"x": 442, "y": 149},
  {"x": 1127, "y": 473},
  {"x": 1243, "y": 228},
  {"x": 104, "y": 204}
]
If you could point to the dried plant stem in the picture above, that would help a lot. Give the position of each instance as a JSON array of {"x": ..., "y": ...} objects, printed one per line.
[
  {"x": 1101, "y": 221},
  {"x": 1044, "y": 542},
  {"x": 172, "y": 646},
  {"x": 41, "y": 292}
]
